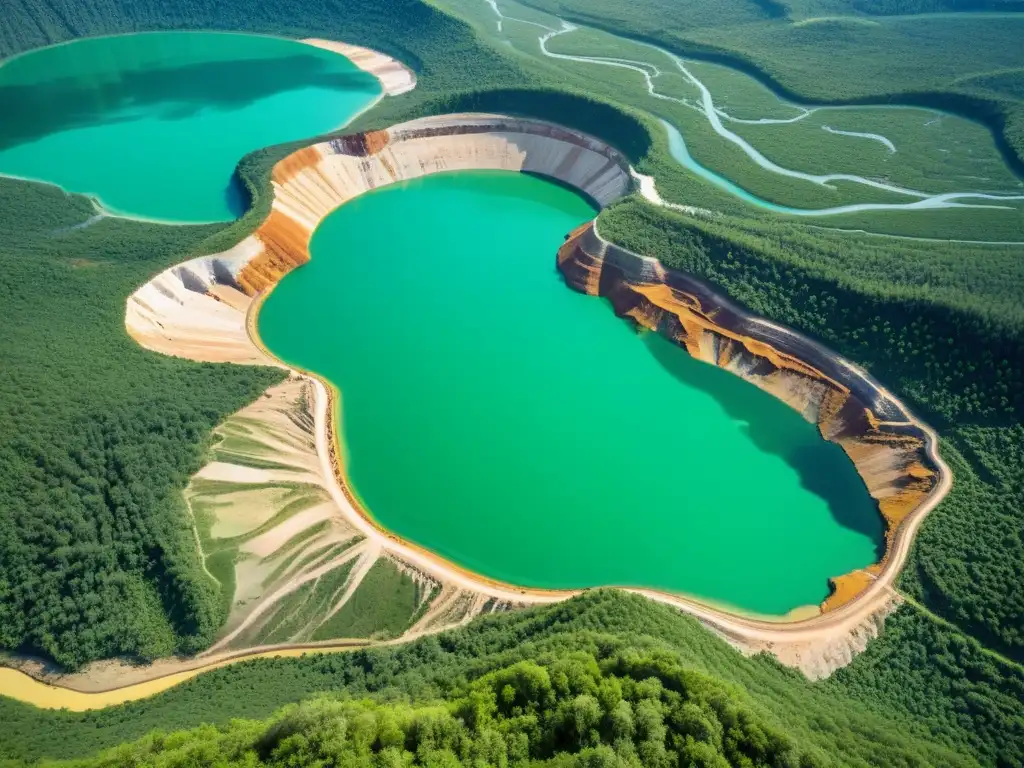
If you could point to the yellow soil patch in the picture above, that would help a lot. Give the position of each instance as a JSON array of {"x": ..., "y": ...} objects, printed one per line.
[
  {"x": 22, "y": 687},
  {"x": 244, "y": 511},
  {"x": 845, "y": 588}
]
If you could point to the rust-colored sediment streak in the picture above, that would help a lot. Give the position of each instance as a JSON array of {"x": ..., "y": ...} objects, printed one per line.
[
  {"x": 364, "y": 144},
  {"x": 285, "y": 246},
  {"x": 581, "y": 270},
  {"x": 845, "y": 588},
  {"x": 887, "y": 449},
  {"x": 375, "y": 141},
  {"x": 288, "y": 168}
]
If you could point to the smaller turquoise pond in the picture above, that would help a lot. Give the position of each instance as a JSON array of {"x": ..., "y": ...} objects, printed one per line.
[
  {"x": 154, "y": 124},
  {"x": 523, "y": 431}
]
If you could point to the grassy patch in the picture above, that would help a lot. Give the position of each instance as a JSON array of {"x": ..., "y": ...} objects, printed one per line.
[
  {"x": 221, "y": 566},
  {"x": 382, "y": 606},
  {"x": 304, "y": 607}
]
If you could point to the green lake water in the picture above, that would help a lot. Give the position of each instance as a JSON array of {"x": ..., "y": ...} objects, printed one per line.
[
  {"x": 154, "y": 124},
  {"x": 520, "y": 429}
]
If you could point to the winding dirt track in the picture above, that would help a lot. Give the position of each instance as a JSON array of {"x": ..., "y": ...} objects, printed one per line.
[{"x": 23, "y": 687}]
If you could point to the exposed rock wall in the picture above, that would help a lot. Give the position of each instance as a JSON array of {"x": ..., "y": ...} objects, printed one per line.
[
  {"x": 874, "y": 429},
  {"x": 311, "y": 183}
]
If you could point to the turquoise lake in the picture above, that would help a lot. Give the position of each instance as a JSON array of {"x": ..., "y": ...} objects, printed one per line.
[
  {"x": 154, "y": 124},
  {"x": 521, "y": 430}
]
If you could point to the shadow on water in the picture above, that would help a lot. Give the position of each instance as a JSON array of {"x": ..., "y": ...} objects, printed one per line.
[
  {"x": 775, "y": 428},
  {"x": 236, "y": 197},
  {"x": 32, "y": 111}
]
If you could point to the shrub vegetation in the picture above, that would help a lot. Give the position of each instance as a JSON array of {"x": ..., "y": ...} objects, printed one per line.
[{"x": 888, "y": 709}]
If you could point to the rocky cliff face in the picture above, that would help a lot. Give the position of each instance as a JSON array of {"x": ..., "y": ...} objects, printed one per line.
[
  {"x": 886, "y": 446},
  {"x": 312, "y": 182}
]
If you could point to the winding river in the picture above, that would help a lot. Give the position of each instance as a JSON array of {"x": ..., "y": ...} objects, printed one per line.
[{"x": 717, "y": 117}]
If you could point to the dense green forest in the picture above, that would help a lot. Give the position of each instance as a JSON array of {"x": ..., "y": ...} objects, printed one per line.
[
  {"x": 908, "y": 7},
  {"x": 631, "y": 710},
  {"x": 97, "y": 439},
  {"x": 888, "y": 709},
  {"x": 894, "y": 7}
]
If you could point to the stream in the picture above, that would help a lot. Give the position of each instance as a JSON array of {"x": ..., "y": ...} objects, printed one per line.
[{"x": 715, "y": 117}]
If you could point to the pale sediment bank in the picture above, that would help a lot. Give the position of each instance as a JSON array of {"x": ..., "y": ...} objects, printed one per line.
[
  {"x": 174, "y": 314},
  {"x": 33, "y": 684},
  {"x": 199, "y": 310},
  {"x": 395, "y": 78}
]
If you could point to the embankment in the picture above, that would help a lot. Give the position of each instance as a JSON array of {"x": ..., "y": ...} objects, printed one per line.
[{"x": 893, "y": 453}]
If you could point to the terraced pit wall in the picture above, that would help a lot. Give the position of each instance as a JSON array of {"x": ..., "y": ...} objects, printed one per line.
[
  {"x": 170, "y": 314},
  {"x": 887, "y": 446}
]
